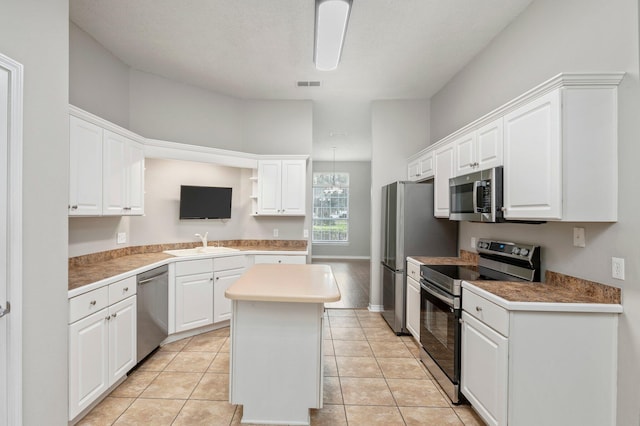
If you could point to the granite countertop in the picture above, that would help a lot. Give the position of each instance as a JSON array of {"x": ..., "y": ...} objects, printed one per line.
[
  {"x": 443, "y": 260},
  {"x": 286, "y": 283},
  {"x": 85, "y": 274},
  {"x": 88, "y": 269},
  {"x": 559, "y": 292}
]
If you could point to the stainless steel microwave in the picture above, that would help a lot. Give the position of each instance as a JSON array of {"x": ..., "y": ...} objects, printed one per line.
[{"x": 477, "y": 196}]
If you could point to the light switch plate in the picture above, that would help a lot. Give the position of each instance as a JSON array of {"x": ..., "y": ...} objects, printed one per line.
[
  {"x": 579, "y": 238},
  {"x": 305, "y": 233},
  {"x": 275, "y": 232},
  {"x": 122, "y": 238},
  {"x": 473, "y": 242}
]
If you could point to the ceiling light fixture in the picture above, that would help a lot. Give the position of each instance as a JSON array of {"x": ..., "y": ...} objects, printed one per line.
[
  {"x": 333, "y": 189},
  {"x": 331, "y": 26}
]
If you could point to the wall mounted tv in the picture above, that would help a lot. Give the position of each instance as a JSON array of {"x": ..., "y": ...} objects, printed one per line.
[{"x": 205, "y": 202}]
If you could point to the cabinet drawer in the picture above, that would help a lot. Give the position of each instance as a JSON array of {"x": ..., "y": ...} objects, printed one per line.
[
  {"x": 413, "y": 271},
  {"x": 122, "y": 289},
  {"x": 88, "y": 303},
  {"x": 230, "y": 262},
  {"x": 189, "y": 267},
  {"x": 291, "y": 259},
  {"x": 488, "y": 312}
]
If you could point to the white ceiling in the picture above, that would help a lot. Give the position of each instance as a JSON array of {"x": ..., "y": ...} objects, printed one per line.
[{"x": 259, "y": 49}]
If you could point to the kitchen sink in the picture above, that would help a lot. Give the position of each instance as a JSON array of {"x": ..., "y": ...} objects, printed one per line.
[{"x": 200, "y": 250}]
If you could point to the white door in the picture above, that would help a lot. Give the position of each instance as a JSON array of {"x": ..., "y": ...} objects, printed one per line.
[
  {"x": 194, "y": 301},
  {"x": 484, "y": 370},
  {"x": 444, "y": 169},
  {"x": 122, "y": 338},
  {"x": 85, "y": 168},
  {"x": 294, "y": 178},
  {"x": 466, "y": 155},
  {"x": 135, "y": 179},
  {"x": 489, "y": 145},
  {"x": 222, "y": 305},
  {"x": 269, "y": 187},
  {"x": 533, "y": 160},
  {"x": 114, "y": 174},
  {"x": 11, "y": 78},
  {"x": 4, "y": 240},
  {"x": 88, "y": 360},
  {"x": 413, "y": 307}
]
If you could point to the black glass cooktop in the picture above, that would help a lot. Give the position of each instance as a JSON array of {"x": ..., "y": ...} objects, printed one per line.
[{"x": 455, "y": 272}]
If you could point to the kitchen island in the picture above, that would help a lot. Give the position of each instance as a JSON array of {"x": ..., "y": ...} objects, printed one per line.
[{"x": 276, "y": 341}]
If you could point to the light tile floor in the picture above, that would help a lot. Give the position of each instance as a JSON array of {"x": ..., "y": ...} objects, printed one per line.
[{"x": 372, "y": 377}]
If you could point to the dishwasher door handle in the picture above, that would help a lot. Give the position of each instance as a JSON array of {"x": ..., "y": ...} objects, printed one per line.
[{"x": 141, "y": 282}]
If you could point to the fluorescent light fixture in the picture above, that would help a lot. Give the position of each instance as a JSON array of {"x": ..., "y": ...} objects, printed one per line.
[{"x": 331, "y": 25}]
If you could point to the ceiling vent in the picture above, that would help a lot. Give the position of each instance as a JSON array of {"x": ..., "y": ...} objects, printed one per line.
[{"x": 308, "y": 84}]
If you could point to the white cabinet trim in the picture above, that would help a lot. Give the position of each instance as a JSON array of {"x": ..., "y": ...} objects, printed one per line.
[{"x": 573, "y": 79}]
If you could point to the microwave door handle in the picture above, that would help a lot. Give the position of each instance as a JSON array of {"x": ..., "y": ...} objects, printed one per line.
[{"x": 476, "y": 184}]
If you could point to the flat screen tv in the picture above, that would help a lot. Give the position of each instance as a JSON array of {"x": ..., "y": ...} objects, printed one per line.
[{"x": 205, "y": 202}]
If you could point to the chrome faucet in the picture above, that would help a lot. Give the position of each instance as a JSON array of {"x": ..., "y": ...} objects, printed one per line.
[{"x": 203, "y": 239}]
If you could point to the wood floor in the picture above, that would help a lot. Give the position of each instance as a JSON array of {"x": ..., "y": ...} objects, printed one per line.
[{"x": 353, "y": 280}]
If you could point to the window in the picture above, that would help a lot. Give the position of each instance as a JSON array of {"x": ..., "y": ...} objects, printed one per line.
[{"x": 330, "y": 207}]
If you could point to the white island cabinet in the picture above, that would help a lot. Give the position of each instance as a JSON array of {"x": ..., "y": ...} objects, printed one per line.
[
  {"x": 276, "y": 341},
  {"x": 536, "y": 363}
]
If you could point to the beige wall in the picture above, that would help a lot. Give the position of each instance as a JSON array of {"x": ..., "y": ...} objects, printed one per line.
[
  {"x": 548, "y": 38},
  {"x": 36, "y": 34}
]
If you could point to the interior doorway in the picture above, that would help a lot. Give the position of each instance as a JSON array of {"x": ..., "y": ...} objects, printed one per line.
[{"x": 10, "y": 241}]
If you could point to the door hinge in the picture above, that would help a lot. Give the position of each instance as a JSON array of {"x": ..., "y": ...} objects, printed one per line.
[{"x": 5, "y": 311}]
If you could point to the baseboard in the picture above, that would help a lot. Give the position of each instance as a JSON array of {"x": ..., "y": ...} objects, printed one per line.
[
  {"x": 376, "y": 308},
  {"x": 342, "y": 257}
]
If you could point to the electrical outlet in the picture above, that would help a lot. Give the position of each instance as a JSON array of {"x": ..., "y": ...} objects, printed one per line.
[
  {"x": 617, "y": 268},
  {"x": 578, "y": 237},
  {"x": 473, "y": 242},
  {"x": 121, "y": 238},
  {"x": 305, "y": 233},
  {"x": 275, "y": 232}
]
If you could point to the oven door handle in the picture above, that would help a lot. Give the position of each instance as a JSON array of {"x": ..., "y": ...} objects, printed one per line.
[
  {"x": 476, "y": 184},
  {"x": 449, "y": 300}
]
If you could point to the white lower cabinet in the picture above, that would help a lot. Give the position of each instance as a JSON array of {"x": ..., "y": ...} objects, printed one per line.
[
  {"x": 102, "y": 349},
  {"x": 484, "y": 366},
  {"x": 199, "y": 290},
  {"x": 539, "y": 364},
  {"x": 413, "y": 298},
  {"x": 222, "y": 305},
  {"x": 194, "y": 301}
]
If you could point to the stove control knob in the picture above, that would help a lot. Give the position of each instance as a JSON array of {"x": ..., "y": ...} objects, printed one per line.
[
  {"x": 515, "y": 250},
  {"x": 524, "y": 252}
]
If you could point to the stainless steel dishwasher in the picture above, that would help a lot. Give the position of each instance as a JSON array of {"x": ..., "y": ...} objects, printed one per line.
[{"x": 153, "y": 309}]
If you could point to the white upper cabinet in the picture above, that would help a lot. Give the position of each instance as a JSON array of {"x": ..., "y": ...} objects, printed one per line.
[
  {"x": 551, "y": 141},
  {"x": 480, "y": 149},
  {"x": 106, "y": 173},
  {"x": 85, "y": 173},
  {"x": 421, "y": 168},
  {"x": 553, "y": 146},
  {"x": 533, "y": 157},
  {"x": 444, "y": 165},
  {"x": 123, "y": 183},
  {"x": 281, "y": 187}
]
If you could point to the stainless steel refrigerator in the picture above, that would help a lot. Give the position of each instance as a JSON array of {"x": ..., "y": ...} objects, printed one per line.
[{"x": 409, "y": 229}]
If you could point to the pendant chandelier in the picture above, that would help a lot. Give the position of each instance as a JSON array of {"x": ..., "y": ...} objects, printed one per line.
[{"x": 333, "y": 189}]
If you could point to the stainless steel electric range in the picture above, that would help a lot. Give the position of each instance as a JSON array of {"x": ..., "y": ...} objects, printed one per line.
[{"x": 441, "y": 304}]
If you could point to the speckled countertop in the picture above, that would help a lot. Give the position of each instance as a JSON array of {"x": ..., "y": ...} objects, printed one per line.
[
  {"x": 84, "y": 270},
  {"x": 557, "y": 288},
  {"x": 466, "y": 258}
]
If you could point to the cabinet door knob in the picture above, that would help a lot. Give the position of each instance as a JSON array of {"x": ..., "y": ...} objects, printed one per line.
[
  {"x": 115, "y": 314},
  {"x": 126, "y": 289},
  {"x": 108, "y": 318},
  {"x": 478, "y": 309},
  {"x": 217, "y": 278},
  {"x": 92, "y": 303}
]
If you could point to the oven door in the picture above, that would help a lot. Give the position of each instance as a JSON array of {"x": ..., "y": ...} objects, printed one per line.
[{"x": 440, "y": 329}]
